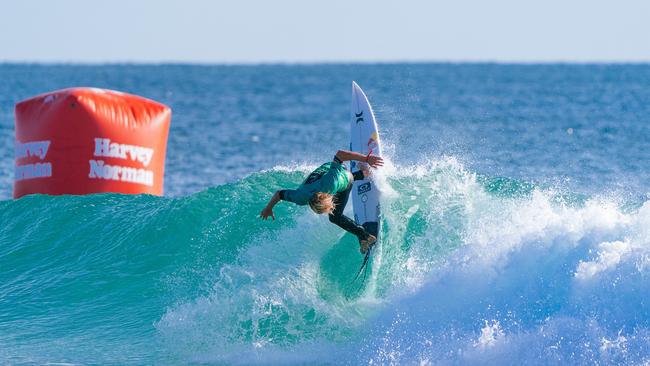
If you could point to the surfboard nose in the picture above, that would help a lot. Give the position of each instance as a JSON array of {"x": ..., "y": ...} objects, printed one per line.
[{"x": 356, "y": 89}]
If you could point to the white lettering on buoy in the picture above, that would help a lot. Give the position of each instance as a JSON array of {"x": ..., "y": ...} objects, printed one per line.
[
  {"x": 104, "y": 147},
  {"x": 100, "y": 170},
  {"x": 31, "y": 149},
  {"x": 32, "y": 171}
]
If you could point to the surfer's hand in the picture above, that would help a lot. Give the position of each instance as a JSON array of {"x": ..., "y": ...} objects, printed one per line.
[
  {"x": 266, "y": 212},
  {"x": 375, "y": 161}
]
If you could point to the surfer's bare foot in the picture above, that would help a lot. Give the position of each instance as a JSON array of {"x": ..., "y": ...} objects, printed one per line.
[{"x": 367, "y": 243}]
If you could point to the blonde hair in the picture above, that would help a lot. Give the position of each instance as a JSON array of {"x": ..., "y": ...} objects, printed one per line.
[{"x": 322, "y": 203}]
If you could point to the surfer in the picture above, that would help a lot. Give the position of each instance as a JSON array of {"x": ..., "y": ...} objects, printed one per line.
[{"x": 327, "y": 189}]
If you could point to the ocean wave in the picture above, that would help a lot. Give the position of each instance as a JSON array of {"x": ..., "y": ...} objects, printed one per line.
[{"x": 471, "y": 269}]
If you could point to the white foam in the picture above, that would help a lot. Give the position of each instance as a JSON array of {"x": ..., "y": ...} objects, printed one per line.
[
  {"x": 556, "y": 280},
  {"x": 608, "y": 257},
  {"x": 490, "y": 335}
]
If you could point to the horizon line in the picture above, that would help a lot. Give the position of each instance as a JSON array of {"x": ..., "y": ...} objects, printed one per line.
[{"x": 316, "y": 62}]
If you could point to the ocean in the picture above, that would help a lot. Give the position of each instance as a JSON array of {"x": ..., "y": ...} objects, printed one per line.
[{"x": 516, "y": 222}]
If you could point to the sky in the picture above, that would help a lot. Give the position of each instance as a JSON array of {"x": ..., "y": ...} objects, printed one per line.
[{"x": 258, "y": 31}]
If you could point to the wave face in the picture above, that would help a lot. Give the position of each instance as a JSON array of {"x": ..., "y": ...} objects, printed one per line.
[{"x": 470, "y": 270}]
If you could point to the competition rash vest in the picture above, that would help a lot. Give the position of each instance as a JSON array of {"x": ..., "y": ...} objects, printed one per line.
[{"x": 331, "y": 177}]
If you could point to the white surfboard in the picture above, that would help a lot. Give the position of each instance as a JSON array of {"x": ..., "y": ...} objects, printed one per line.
[{"x": 364, "y": 139}]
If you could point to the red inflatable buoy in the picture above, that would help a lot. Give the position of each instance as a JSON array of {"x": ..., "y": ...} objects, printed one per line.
[{"x": 87, "y": 140}]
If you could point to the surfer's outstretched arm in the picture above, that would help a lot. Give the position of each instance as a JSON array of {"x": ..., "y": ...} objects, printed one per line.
[
  {"x": 268, "y": 210},
  {"x": 373, "y": 160}
]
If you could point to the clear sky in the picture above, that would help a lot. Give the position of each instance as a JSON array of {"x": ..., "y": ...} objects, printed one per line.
[{"x": 254, "y": 31}]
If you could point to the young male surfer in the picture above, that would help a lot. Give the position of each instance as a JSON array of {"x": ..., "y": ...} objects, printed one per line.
[{"x": 327, "y": 189}]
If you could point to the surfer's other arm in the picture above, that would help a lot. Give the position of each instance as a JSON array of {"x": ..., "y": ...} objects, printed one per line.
[
  {"x": 268, "y": 210},
  {"x": 372, "y": 160}
]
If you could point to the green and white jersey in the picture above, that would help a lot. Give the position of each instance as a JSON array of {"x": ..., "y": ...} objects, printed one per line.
[{"x": 330, "y": 177}]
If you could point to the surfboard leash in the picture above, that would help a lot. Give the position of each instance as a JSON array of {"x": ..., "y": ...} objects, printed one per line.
[{"x": 363, "y": 268}]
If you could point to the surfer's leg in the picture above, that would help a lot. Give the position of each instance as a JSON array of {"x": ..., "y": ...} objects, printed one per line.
[
  {"x": 344, "y": 222},
  {"x": 349, "y": 225}
]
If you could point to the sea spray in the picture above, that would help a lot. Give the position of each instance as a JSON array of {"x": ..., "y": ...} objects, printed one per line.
[{"x": 535, "y": 281}]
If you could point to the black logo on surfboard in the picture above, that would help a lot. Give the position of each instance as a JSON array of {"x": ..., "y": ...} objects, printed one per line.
[
  {"x": 364, "y": 188},
  {"x": 359, "y": 116}
]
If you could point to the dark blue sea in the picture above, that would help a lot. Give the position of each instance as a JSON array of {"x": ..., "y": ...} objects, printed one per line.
[{"x": 516, "y": 222}]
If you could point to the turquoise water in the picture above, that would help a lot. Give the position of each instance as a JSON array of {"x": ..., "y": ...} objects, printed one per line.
[{"x": 506, "y": 239}]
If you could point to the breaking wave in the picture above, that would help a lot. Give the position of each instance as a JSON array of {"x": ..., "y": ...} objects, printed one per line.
[{"x": 470, "y": 270}]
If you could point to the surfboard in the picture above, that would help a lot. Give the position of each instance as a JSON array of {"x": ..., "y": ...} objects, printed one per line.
[{"x": 364, "y": 138}]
